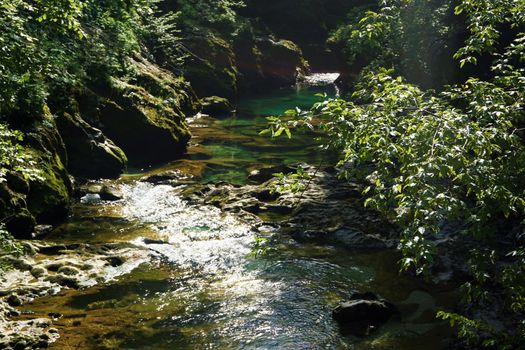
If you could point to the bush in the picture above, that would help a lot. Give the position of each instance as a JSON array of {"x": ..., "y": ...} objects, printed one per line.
[{"x": 431, "y": 159}]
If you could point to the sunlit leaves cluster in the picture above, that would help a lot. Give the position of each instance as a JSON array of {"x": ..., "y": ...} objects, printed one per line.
[
  {"x": 485, "y": 22},
  {"x": 425, "y": 161}
]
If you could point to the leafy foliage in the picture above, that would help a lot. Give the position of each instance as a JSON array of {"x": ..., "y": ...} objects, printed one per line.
[
  {"x": 294, "y": 182},
  {"x": 221, "y": 14},
  {"x": 485, "y": 20},
  {"x": 430, "y": 159},
  {"x": 49, "y": 49},
  {"x": 13, "y": 157},
  {"x": 414, "y": 37}
]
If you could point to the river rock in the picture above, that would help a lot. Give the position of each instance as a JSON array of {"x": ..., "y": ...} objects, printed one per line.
[
  {"x": 110, "y": 193},
  {"x": 216, "y": 106},
  {"x": 154, "y": 241},
  {"x": 68, "y": 270},
  {"x": 115, "y": 261},
  {"x": 326, "y": 211},
  {"x": 38, "y": 271},
  {"x": 17, "y": 263},
  {"x": 90, "y": 198},
  {"x": 64, "y": 281},
  {"x": 168, "y": 177},
  {"x": 14, "y": 300},
  {"x": 29, "y": 248},
  {"x": 363, "y": 312}
]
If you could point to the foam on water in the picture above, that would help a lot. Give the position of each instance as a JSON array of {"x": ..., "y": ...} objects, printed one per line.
[
  {"x": 199, "y": 236},
  {"x": 321, "y": 79}
]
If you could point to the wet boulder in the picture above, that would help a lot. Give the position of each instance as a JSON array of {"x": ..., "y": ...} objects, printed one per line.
[
  {"x": 265, "y": 62},
  {"x": 110, "y": 193},
  {"x": 363, "y": 313},
  {"x": 216, "y": 106}
]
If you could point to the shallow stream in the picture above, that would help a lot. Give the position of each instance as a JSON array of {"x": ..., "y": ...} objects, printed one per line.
[{"x": 206, "y": 290}]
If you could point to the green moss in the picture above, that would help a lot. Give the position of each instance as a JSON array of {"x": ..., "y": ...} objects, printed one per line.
[
  {"x": 48, "y": 199},
  {"x": 212, "y": 68},
  {"x": 146, "y": 115}
]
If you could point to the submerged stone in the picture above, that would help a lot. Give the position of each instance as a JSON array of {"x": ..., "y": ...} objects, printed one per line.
[
  {"x": 14, "y": 300},
  {"x": 355, "y": 239},
  {"x": 363, "y": 312}
]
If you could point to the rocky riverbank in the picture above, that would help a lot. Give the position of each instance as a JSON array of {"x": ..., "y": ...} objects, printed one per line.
[{"x": 48, "y": 269}]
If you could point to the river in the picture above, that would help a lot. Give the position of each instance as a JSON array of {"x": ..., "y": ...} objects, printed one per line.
[{"x": 206, "y": 289}]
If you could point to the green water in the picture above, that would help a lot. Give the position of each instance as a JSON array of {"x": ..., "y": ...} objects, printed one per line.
[
  {"x": 232, "y": 145},
  {"x": 206, "y": 290}
]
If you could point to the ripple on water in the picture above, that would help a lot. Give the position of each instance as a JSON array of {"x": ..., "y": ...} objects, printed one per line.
[
  {"x": 254, "y": 303},
  {"x": 199, "y": 236}
]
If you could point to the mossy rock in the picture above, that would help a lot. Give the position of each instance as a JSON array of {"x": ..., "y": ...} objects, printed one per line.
[
  {"x": 90, "y": 153},
  {"x": 44, "y": 199},
  {"x": 146, "y": 115},
  {"x": 212, "y": 68},
  {"x": 266, "y": 62},
  {"x": 282, "y": 61},
  {"x": 48, "y": 198},
  {"x": 216, "y": 106}
]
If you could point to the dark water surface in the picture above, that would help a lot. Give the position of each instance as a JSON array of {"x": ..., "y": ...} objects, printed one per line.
[{"x": 207, "y": 291}]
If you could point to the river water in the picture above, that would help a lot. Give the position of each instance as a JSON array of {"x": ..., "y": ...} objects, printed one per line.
[{"x": 206, "y": 289}]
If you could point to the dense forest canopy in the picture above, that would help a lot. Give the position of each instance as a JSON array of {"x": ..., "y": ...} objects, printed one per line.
[{"x": 431, "y": 119}]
